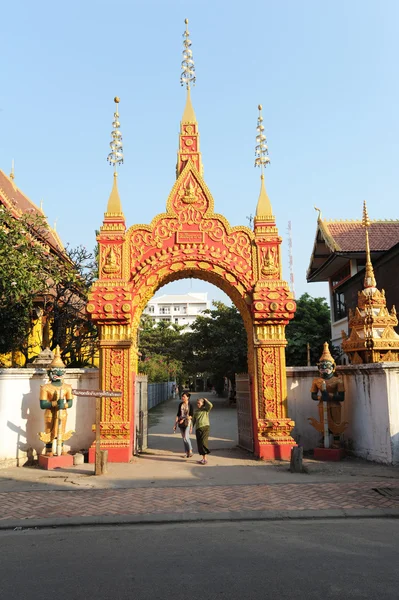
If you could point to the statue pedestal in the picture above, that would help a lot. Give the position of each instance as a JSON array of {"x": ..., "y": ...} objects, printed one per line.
[
  {"x": 55, "y": 462},
  {"x": 332, "y": 454}
]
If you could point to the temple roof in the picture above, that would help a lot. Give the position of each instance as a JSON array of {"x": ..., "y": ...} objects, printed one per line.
[
  {"x": 349, "y": 235},
  {"x": 338, "y": 241},
  {"x": 18, "y": 203}
]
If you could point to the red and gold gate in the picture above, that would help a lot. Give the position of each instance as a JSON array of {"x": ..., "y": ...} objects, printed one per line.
[{"x": 191, "y": 240}]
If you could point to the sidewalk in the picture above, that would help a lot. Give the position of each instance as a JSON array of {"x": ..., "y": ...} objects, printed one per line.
[{"x": 161, "y": 486}]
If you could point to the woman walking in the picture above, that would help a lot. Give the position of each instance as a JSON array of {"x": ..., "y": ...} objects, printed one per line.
[
  {"x": 184, "y": 422},
  {"x": 201, "y": 423}
]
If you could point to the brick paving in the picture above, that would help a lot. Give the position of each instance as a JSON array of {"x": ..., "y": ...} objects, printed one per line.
[{"x": 211, "y": 499}]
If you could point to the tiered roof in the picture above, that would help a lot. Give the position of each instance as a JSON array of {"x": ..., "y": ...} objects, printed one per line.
[
  {"x": 336, "y": 241},
  {"x": 18, "y": 203}
]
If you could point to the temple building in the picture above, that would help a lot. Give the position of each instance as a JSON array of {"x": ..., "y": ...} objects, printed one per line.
[
  {"x": 18, "y": 203},
  {"x": 339, "y": 257}
]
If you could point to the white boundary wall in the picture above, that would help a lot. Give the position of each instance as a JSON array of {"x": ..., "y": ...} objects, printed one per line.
[
  {"x": 21, "y": 418},
  {"x": 371, "y": 407}
]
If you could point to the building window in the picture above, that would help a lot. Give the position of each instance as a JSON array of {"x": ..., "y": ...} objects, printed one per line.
[
  {"x": 176, "y": 320},
  {"x": 339, "y": 306},
  {"x": 150, "y": 308},
  {"x": 164, "y": 310},
  {"x": 176, "y": 308}
]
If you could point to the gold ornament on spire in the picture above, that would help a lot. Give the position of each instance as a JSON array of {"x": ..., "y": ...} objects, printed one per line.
[
  {"x": 261, "y": 151},
  {"x": 369, "y": 279},
  {"x": 12, "y": 174},
  {"x": 264, "y": 207},
  {"x": 187, "y": 76},
  {"x": 115, "y": 157}
]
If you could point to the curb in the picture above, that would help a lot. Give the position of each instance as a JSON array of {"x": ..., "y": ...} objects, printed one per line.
[{"x": 170, "y": 518}]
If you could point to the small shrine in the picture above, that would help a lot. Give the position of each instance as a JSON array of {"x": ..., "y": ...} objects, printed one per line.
[{"x": 372, "y": 336}]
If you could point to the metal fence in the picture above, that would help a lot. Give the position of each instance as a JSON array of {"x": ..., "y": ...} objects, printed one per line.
[{"x": 158, "y": 393}]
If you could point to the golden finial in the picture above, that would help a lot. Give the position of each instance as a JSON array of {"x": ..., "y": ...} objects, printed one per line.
[
  {"x": 261, "y": 151},
  {"x": 115, "y": 157},
  {"x": 187, "y": 76},
  {"x": 319, "y": 211},
  {"x": 369, "y": 278},
  {"x": 12, "y": 174},
  {"x": 264, "y": 207}
]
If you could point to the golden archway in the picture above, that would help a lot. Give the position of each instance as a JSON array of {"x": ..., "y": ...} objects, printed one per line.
[{"x": 191, "y": 240}]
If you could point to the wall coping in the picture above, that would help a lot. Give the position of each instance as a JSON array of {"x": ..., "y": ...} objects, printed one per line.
[
  {"x": 15, "y": 373},
  {"x": 347, "y": 369}
]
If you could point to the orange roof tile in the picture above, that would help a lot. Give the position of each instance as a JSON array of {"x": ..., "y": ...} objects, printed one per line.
[
  {"x": 349, "y": 236},
  {"x": 15, "y": 200}
]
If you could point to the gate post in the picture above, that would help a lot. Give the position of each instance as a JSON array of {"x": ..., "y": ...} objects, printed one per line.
[
  {"x": 117, "y": 418},
  {"x": 273, "y": 427}
]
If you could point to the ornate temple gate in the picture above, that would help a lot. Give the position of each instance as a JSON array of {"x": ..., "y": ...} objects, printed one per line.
[{"x": 190, "y": 240}]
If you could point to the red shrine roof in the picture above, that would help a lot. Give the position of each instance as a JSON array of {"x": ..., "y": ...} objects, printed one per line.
[
  {"x": 349, "y": 235},
  {"x": 16, "y": 201},
  {"x": 338, "y": 241}
]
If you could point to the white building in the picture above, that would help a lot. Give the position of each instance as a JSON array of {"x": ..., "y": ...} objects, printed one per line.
[{"x": 181, "y": 309}]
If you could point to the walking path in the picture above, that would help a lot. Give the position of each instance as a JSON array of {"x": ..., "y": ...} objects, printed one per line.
[{"x": 160, "y": 485}]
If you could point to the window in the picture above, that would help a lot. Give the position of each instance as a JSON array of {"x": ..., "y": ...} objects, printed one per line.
[
  {"x": 150, "y": 308},
  {"x": 176, "y": 308},
  {"x": 164, "y": 310},
  {"x": 176, "y": 320},
  {"x": 339, "y": 306}
]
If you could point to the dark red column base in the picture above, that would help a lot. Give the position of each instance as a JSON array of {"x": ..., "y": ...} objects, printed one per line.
[
  {"x": 332, "y": 454},
  {"x": 116, "y": 455},
  {"x": 275, "y": 451},
  {"x": 55, "y": 462}
]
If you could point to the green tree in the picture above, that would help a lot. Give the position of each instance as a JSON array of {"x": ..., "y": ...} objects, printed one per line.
[
  {"x": 71, "y": 329},
  {"x": 160, "y": 347},
  {"x": 311, "y": 324},
  {"x": 217, "y": 345},
  {"x": 33, "y": 279},
  {"x": 23, "y": 254}
]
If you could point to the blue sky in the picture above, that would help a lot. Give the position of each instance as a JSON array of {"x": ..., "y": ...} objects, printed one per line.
[{"x": 325, "y": 72}]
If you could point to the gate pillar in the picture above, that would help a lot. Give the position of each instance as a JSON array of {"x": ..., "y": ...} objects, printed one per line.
[
  {"x": 272, "y": 426},
  {"x": 273, "y": 306}
]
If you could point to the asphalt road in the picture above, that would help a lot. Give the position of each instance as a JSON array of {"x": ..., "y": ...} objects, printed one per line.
[{"x": 340, "y": 559}]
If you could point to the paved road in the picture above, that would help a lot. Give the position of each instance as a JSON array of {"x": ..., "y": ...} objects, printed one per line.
[{"x": 313, "y": 560}]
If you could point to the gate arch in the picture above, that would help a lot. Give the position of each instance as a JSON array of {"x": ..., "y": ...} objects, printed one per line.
[{"x": 191, "y": 240}]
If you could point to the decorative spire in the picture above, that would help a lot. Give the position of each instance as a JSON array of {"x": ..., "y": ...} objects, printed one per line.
[
  {"x": 369, "y": 279},
  {"x": 264, "y": 207},
  {"x": 189, "y": 136},
  {"x": 115, "y": 158},
  {"x": 12, "y": 174},
  {"x": 187, "y": 76}
]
